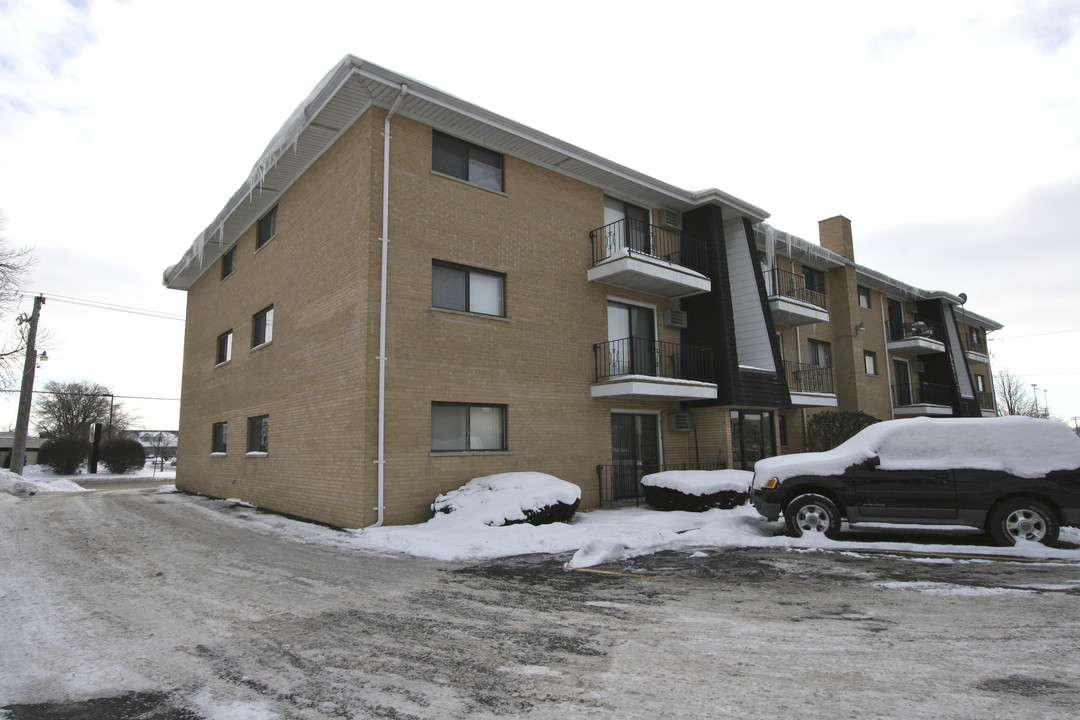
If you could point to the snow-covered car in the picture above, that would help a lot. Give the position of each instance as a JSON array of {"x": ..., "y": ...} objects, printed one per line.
[{"x": 1017, "y": 478}]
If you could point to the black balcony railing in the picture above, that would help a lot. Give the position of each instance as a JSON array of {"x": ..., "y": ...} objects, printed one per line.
[
  {"x": 641, "y": 356},
  {"x": 923, "y": 394},
  {"x": 803, "y": 378},
  {"x": 986, "y": 400},
  {"x": 783, "y": 283},
  {"x": 622, "y": 482},
  {"x": 636, "y": 236},
  {"x": 919, "y": 328},
  {"x": 974, "y": 345}
]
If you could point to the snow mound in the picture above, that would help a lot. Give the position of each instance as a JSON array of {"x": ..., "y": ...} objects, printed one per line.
[
  {"x": 19, "y": 486},
  {"x": 1021, "y": 446},
  {"x": 510, "y": 498},
  {"x": 700, "y": 482}
]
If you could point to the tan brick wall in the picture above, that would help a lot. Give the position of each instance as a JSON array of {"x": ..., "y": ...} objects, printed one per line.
[
  {"x": 310, "y": 378},
  {"x": 318, "y": 378}
]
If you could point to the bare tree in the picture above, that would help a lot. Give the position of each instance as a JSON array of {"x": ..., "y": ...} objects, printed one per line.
[
  {"x": 14, "y": 266},
  {"x": 67, "y": 409},
  {"x": 1013, "y": 395}
]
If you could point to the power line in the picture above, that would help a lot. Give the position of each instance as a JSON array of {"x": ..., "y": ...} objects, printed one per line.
[
  {"x": 113, "y": 307},
  {"x": 1018, "y": 337},
  {"x": 113, "y": 395}
]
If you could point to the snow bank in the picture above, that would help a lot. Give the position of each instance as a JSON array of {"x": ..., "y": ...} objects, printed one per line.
[
  {"x": 19, "y": 486},
  {"x": 506, "y": 498},
  {"x": 1022, "y": 446},
  {"x": 701, "y": 482}
]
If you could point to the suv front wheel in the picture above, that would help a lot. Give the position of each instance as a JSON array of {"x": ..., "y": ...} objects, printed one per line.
[
  {"x": 1023, "y": 519},
  {"x": 812, "y": 513}
]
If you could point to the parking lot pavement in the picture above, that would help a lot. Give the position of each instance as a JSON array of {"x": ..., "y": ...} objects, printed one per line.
[{"x": 132, "y": 604}]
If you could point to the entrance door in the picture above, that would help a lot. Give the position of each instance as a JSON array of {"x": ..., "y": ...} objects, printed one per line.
[
  {"x": 631, "y": 339},
  {"x": 635, "y": 452},
  {"x": 903, "y": 382}
]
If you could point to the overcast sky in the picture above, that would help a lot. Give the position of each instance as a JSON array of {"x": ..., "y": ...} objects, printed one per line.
[{"x": 948, "y": 132}]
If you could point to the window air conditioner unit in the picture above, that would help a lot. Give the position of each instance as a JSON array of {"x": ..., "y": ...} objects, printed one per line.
[
  {"x": 919, "y": 367},
  {"x": 670, "y": 218},
  {"x": 680, "y": 422},
  {"x": 674, "y": 318}
]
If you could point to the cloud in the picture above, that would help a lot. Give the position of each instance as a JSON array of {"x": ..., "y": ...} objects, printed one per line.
[
  {"x": 38, "y": 41},
  {"x": 1051, "y": 25}
]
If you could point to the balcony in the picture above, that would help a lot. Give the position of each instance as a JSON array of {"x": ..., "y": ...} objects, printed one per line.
[
  {"x": 928, "y": 399},
  {"x": 791, "y": 302},
  {"x": 986, "y": 403},
  {"x": 975, "y": 350},
  {"x": 634, "y": 255},
  {"x": 920, "y": 337},
  {"x": 638, "y": 367},
  {"x": 810, "y": 385}
]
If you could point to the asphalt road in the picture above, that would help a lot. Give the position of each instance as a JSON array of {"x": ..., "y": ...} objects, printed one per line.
[{"x": 127, "y": 603}]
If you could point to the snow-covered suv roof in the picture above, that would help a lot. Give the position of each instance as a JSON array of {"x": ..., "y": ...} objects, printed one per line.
[{"x": 1021, "y": 446}]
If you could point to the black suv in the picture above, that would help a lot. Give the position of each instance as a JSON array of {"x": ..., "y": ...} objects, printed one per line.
[{"x": 1017, "y": 478}]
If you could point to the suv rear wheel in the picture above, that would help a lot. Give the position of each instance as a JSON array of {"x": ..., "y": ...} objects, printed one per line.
[
  {"x": 1023, "y": 519},
  {"x": 812, "y": 513}
]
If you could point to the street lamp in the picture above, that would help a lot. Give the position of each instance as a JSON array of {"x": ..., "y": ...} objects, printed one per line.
[{"x": 1035, "y": 394}]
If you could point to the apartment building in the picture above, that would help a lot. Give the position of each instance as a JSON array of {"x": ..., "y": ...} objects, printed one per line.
[
  {"x": 410, "y": 291},
  {"x": 853, "y": 338}
]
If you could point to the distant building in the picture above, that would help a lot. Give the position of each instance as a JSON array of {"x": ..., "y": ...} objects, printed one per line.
[
  {"x": 7, "y": 444},
  {"x": 158, "y": 443},
  {"x": 542, "y": 308}
]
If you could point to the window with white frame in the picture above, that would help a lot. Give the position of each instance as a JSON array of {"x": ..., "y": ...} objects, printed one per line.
[
  {"x": 259, "y": 434},
  {"x": 224, "y": 347},
  {"x": 267, "y": 228},
  {"x": 262, "y": 327},
  {"x": 864, "y": 297},
  {"x": 870, "y": 361},
  {"x": 820, "y": 353},
  {"x": 467, "y": 427},
  {"x": 455, "y": 287},
  {"x": 219, "y": 437},
  {"x": 228, "y": 262},
  {"x": 465, "y": 161}
]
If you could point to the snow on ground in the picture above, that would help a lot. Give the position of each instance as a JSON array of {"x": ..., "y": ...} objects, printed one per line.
[
  {"x": 38, "y": 479},
  {"x": 594, "y": 537}
]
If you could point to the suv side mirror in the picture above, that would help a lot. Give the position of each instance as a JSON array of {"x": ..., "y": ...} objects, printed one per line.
[{"x": 872, "y": 462}]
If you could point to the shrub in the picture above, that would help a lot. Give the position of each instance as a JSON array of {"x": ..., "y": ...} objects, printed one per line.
[
  {"x": 559, "y": 512},
  {"x": 826, "y": 430},
  {"x": 122, "y": 454},
  {"x": 662, "y": 498},
  {"x": 63, "y": 455}
]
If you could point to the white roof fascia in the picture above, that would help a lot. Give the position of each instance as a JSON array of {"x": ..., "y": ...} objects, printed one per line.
[{"x": 182, "y": 275}]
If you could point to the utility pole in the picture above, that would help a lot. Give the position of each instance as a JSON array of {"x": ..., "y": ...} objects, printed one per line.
[{"x": 22, "y": 423}]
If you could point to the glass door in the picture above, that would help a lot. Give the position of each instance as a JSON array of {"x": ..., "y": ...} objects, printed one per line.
[
  {"x": 627, "y": 226},
  {"x": 631, "y": 339},
  {"x": 903, "y": 382},
  {"x": 635, "y": 451}
]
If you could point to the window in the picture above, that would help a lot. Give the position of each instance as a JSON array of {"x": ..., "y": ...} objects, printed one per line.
[
  {"x": 259, "y": 434},
  {"x": 783, "y": 429},
  {"x": 870, "y": 360},
  {"x": 224, "y": 347},
  {"x": 228, "y": 262},
  {"x": 864, "y": 297},
  {"x": 219, "y": 435},
  {"x": 820, "y": 354},
  {"x": 458, "y": 288},
  {"x": 466, "y": 161},
  {"x": 465, "y": 427},
  {"x": 813, "y": 279},
  {"x": 751, "y": 438},
  {"x": 267, "y": 228},
  {"x": 980, "y": 383},
  {"x": 262, "y": 327}
]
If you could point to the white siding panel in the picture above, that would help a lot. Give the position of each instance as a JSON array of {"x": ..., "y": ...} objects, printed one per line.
[{"x": 752, "y": 341}]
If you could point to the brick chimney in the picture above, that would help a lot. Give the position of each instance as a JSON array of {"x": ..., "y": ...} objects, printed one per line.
[{"x": 835, "y": 234}]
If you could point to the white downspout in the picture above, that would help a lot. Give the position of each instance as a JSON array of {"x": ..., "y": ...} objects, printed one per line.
[{"x": 384, "y": 239}]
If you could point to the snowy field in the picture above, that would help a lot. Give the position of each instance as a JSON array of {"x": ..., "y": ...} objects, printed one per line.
[{"x": 136, "y": 602}]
